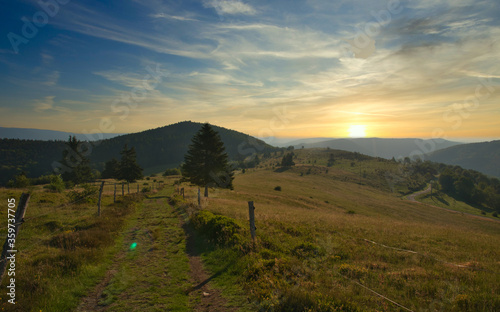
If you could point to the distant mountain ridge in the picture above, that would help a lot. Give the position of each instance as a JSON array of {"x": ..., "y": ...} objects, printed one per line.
[
  {"x": 483, "y": 157},
  {"x": 50, "y": 135},
  {"x": 384, "y": 148},
  {"x": 157, "y": 149}
]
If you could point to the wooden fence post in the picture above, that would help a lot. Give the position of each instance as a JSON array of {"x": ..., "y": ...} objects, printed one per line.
[
  {"x": 251, "y": 210},
  {"x": 137, "y": 187},
  {"x": 99, "y": 201},
  {"x": 8, "y": 247},
  {"x": 182, "y": 192},
  {"x": 123, "y": 189},
  {"x": 114, "y": 195},
  {"x": 128, "y": 188},
  {"x": 199, "y": 198}
]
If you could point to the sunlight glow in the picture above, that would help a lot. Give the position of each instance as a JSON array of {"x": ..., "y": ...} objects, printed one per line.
[{"x": 357, "y": 131}]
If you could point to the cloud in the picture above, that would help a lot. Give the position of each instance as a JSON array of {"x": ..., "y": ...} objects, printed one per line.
[
  {"x": 173, "y": 17},
  {"x": 52, "y": 78},
  {"x": 129, "y": 79},
  {"x": 46, "y": 59},
  {"x": 230, "y": 7},
  {"x": 43, "y": 105}
]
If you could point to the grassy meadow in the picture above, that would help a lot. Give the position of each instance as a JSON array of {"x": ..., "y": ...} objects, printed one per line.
[
  {"x": 323, "y": 235},
  {"x": 329, "y": 238},
  {"x": 64, "y": 248}
]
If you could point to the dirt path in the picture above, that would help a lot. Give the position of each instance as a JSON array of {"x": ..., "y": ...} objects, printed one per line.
[
  {"x": 162, "y": 272},
  {"x": 205, "y": 297},
  {"x": 412, "y": 196}
]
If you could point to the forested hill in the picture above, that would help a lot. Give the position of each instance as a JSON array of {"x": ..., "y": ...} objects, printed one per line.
[
  {"x": 167, "y": 145},
  {"x": 156, "y": 148},
  {"x": 483, "y": 157}
]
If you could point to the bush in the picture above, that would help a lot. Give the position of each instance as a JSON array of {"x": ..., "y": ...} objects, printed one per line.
[
  {"x": 20, "y": 181},
  {"x": 220, "y": 230},
  {"x": 171, "y": 172},
  {"x": 307, "y": 250},
  {"x": 495, "y": 214},
  {"x": 56, "y": 184},
  {"x": 278, "y": 188},
  {"x": 88, "y": 194}
]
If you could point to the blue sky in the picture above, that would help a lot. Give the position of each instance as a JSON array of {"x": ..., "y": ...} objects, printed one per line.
[{"x": 268, "y": 68}]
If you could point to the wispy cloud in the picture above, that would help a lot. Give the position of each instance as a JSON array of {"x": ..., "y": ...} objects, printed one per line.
[
  {"x": 230, "y": 7},
  {"x": 44, "y": 104},
  {"x": 173, "y": 17},
  {"x": 52, "y": 78}
]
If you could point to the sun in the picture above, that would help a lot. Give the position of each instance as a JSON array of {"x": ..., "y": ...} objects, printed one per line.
[{"x": 357, "y": 131}]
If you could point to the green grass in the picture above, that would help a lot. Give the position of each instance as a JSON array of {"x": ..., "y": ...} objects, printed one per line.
[
  {"x": 155, "y": 273},
  {"x": 63, "y": 249},
  {"x": 310, "y": 249},
  {"x": 445, "y": 201},
  {"x": 313, "y": 249}
]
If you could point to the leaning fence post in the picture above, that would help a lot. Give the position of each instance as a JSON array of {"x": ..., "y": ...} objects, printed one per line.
[
  {"x": 99, "y": 201},
  {"x": 8, "y": 247},
  {"x": 251, "y": 210}
]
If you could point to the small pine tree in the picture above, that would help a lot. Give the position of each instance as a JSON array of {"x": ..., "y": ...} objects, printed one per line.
[
  {"x": 206, "y": 162},
  {"x": 287, "y": 160},
  {"x": 129, "y": 170},
  {"x": 111, "y": 169},
  {"x": 74, "y": 159}
]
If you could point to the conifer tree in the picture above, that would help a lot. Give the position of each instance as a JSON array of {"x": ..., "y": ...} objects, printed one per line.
[
  {"x": 128, "y": 169},
  {"x": 79, "y": 166},
  {"x": 206, "y": 162}
]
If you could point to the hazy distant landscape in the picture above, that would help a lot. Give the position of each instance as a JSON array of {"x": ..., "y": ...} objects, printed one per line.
[{"x": 235, "y": 155}]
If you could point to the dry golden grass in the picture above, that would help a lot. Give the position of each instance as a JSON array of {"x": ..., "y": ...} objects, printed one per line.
[{"x": 337, "y": 216}]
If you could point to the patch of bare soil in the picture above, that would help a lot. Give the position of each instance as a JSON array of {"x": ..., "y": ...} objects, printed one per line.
[{"x": 207, "y": 297}]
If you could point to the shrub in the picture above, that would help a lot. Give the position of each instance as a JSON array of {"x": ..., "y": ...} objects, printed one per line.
[
  {"x": 171, "y": 172},
  {"x": 278, "y": 188},
  {"x": 56, "y": 184},
  {"x": 20, "y": 181},
  {"x": 307, "y": 250},
  {"x": 87, "y": 195},
  {"x": 220, "y": 230},
  {"x": 495, "y": 214}
]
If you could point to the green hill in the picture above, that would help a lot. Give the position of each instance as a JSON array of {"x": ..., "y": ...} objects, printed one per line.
[
  {"x": 157, "y": 149},
  {"x": 483, "y": 157}
]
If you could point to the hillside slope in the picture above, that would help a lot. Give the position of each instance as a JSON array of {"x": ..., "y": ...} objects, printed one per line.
[
  {"x": 157, "y": 149},
  {"x": 327, "y": 240},
  {"x": 385, "y": 148},
  {"x": 483, "y": 157}
]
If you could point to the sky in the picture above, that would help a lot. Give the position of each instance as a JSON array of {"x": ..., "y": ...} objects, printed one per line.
[{"x": 286, "y": 68}]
